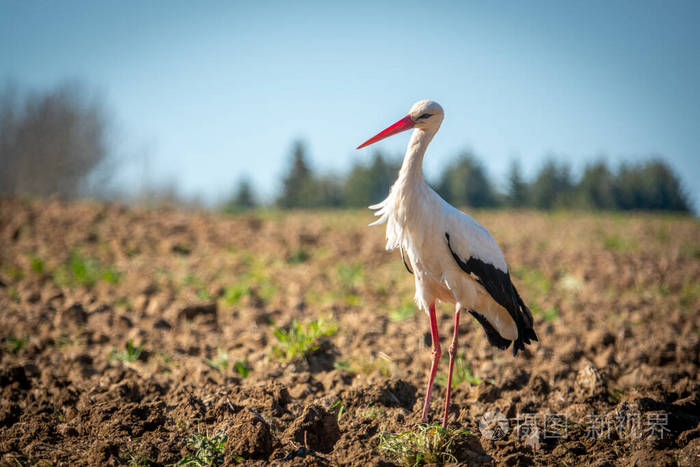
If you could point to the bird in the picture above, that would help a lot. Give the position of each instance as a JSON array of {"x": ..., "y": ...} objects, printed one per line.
[{"x": 452, "y": 257}]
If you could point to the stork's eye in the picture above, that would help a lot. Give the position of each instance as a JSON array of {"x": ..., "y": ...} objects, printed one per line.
[{"x": 424, "y": 116}]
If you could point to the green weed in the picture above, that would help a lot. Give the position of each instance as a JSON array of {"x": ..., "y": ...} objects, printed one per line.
[
  {"x": 37, "y": 264},
  {"x": 14, "y": 344},
  {"x": 428, "y": 445},
  {"x": 406, "y": 310},
  {"x": 220, "y": 363},
  {"x": 234, "y": 293},
  {"x": 617, "y": 243},
  {"x": 255, "y": 281},
  {"x": 130, "y": 354},
  {"x": 350, "y": 274},
  {"x": 366, "y": 365},
  {"x": 299, "y": 256},
  {"x": 205, "y": 450},
  {"x": 242, "y": 368},
  {"x": 341, "y": 408},
  {"x": 300, "y": 340},
  {"x": 85, "y": 271},
  {"x": 533, "y": 279},
  {"x": 463, "y": 372},
  {"x": 551, "y": 314}
]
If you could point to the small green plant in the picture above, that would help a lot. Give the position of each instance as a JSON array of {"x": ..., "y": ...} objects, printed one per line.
[
  {"x": 242, "y": 368},
  {"x": 132, "y": 460},
  {"x": 205, "y": 450},
  {"x": 37, "y": 264},
  {"x": 255, "y": 281},
  {"x": 14, "y": 294},
  {"x": 367, "y": 365},
  {"x": 551, "y": 314},
  {"x": 234, "y": 293},
  {"x": 85, "y": 271},
  {"x": 406, "y": 311},
  {"x": 130, "y": 354},
  {"x": 616, "y": 242},
  {"x": 341, "y": 408},
  {"x": 371, "y": 413},
  {"x": 300, "y": 340},
  {"x": 220, "y": 363},
  {"x": 533, "y": 279},
  {"x": 14, "y": 344},
  {"x": 350, "y": 274},
  {"x": 299, "y": 256},
  {"x": 428, "y": 445},
  {"x": 462, "y": 373},
  {"x": 203, "y": 294}
]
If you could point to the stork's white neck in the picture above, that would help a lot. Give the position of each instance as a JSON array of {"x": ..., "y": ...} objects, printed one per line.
[{"x": 411, "y": 172}]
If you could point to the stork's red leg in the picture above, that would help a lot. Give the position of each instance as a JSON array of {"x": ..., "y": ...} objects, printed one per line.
[
  {"x": 453, "y": 352},
  {"x": 437, "y": 351}
]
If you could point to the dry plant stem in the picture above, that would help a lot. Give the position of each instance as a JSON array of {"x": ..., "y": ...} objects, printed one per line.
[
  {"x": 453, "y": 352},
  {"x": 437, "y": 352}
]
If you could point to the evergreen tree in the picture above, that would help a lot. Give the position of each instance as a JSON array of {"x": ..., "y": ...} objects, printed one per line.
[
  {"x": 552, "y": 186},
  {"x": 650, "y": 186},
  {"x": 242, "y": 200},
  {"x": 369, "y": 184},
  {"x": 597, "y": 187},
  {"x": 465, "y": 183},
  {"x": 517, "y": 195},
  {"x": 298, "y": 186}
]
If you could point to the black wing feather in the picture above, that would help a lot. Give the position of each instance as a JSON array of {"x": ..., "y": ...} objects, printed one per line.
[{"x": 499, "y": 285}]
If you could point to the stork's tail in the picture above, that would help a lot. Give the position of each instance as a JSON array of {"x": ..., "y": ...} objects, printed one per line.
[{"x": 524, "y": 322}]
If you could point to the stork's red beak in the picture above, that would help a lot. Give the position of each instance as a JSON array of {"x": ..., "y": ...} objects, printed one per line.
[{"x": 404, "y": 124}]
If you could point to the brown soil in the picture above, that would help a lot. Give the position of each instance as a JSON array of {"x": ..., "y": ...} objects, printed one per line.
[{"x": 616, "y": 302}]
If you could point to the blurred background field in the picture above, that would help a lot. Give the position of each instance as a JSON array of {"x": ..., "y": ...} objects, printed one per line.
[{"x": 134, "y": 335}]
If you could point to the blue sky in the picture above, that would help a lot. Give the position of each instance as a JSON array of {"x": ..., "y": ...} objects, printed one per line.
[{"x": 206, "y": 92}]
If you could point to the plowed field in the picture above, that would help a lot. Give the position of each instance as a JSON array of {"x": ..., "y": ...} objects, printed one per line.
[{"x": 136, "y": 336}]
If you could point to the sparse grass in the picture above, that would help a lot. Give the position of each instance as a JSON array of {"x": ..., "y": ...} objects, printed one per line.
[
  {"x": 234, "y": 293},
  {"x": 242, "y": 368},
  {"x": 299, "y": 256},
  {"x": 14, "y": 344},
  {"x": 534, "y": 280},
  {"x": 14, "y": 294},
  {"x": 550, "y": 314},
  {"x": 463, "y": 372},
  {"x": 366, "y": 365},
  {"x": 132, "y": 460},
  {"x": 300, "y": 340},
  {"x": 690, "y": 293},
  {"x": 13, "y": 272},
  {"x": 37, "y": 264},
  {"x": 254, "y": 282},
  {"x": 350, "y": 274},
  {"x": 219, "y": 363},
  {"x": 406, "y": 310},
  {"x": 341, "y": 408},
  {"x": 206, "y": 450},
  {"x": 130, "y": 354},
  {"x": 371, "y": 413},
  {"x": 84, "y": 271},
  {"x": 428, "y": 445},
  {"x": 617, "y": 243}
]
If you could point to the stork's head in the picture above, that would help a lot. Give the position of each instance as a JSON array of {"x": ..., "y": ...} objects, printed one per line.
[{"x": 425, "y": 115}]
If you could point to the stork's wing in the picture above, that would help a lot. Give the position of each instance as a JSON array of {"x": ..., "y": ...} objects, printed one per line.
[{"x": 478, "y": 255}]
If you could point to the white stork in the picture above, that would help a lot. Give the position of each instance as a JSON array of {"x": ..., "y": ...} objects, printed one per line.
[{"x": 454, "y": 259}]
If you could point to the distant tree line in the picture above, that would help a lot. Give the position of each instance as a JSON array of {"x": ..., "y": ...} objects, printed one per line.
[
  {"x": 59, "y": 142},
  {"x": 650, "y": 185}
]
